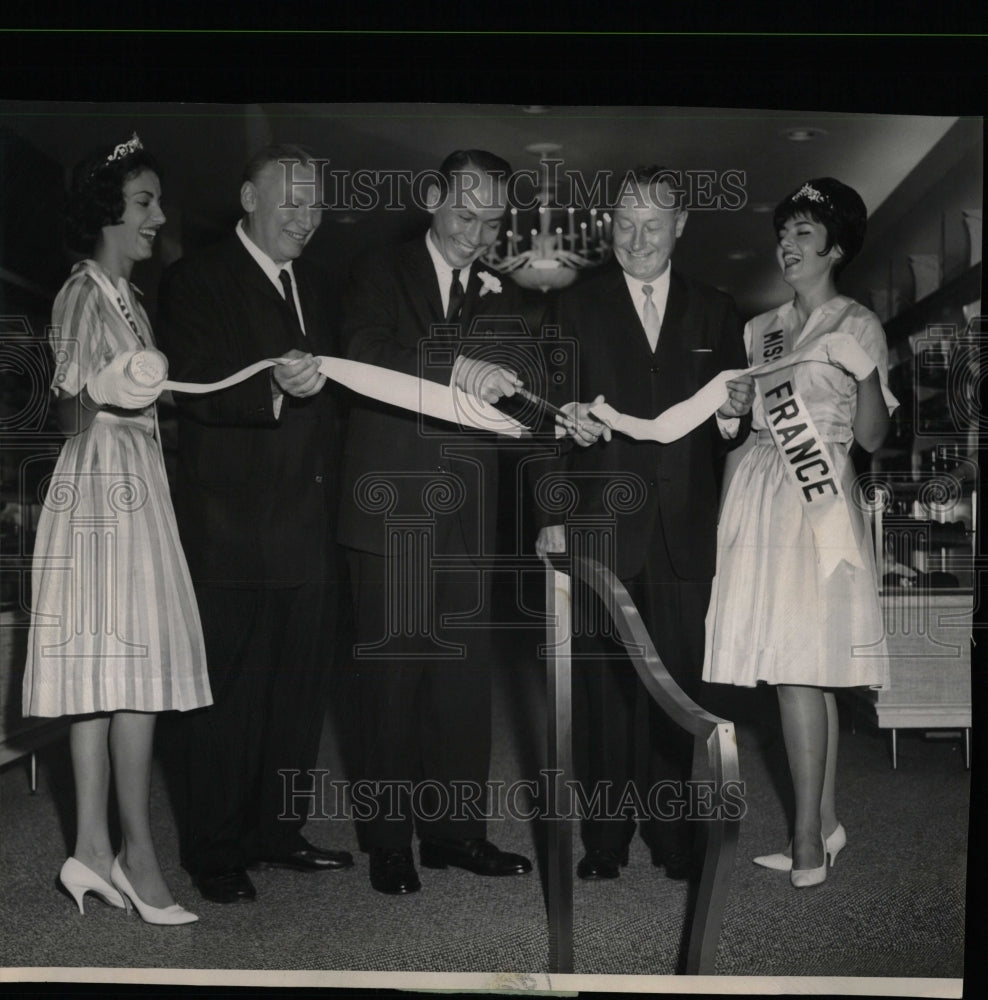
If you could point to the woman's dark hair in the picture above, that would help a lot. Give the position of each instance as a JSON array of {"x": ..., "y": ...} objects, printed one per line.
[
  {"x": 836, "y": 207},
  {"x": 95, "y": 197}
]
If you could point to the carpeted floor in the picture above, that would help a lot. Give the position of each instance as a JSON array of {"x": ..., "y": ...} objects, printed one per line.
[{"x": 893, "y": 906}]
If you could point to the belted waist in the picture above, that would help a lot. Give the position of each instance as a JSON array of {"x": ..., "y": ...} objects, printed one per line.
[{"x": 142, "y": 420}]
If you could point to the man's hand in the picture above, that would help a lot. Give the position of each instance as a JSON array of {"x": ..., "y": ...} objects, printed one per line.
[
  {"x": 484, "y": 379},
  {"x": 301, "y": 378},
  {"x": 550, "y": 539},
  {"x": 740, "y": 395},
  {"x": 583, "y": 428}
]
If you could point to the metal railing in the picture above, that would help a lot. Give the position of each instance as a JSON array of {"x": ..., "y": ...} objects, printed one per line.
[{"x": 706, "y": 915}]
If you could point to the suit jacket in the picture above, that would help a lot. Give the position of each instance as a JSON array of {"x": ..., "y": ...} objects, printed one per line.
[
  {"x": 677, "y": 484},
  {"x": 255, "y": 492},
  {"x": 393, "y": 317}
]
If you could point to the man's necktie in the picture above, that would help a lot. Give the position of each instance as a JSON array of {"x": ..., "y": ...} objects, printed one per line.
[
  {"x": 286, "y": 283},
  {"x": 650, "y": 318},
  {"x": 456, "y": 296}
]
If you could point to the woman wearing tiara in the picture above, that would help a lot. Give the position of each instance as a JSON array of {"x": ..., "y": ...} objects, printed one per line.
[
  {"x": 795, "y": 598},
  {"x": 115, "y": 635}
]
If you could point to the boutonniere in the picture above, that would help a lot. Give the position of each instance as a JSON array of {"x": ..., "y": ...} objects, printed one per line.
[{"x": 490, "y": 283}]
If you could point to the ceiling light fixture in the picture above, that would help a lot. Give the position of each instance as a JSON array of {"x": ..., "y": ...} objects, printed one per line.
[
  {"x": 803, "y": 134},
  {"x": 556, "y": 253}
]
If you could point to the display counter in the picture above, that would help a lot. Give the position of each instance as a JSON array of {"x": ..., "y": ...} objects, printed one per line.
[{"x": 929, "y": 642}]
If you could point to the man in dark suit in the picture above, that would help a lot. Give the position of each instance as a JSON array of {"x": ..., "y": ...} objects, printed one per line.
[
  {"x": 418, "y": 516},
  {"x": 256, "y": 493},
  {"x": 648, "y": 337}
]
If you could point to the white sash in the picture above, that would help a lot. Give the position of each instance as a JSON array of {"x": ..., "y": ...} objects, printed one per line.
[
  {"x": 811, "y": 471},
  {"x": 804, "y": 453},
  {"x": 113, "y": 294},
  {"x": 772, "y": 345}
]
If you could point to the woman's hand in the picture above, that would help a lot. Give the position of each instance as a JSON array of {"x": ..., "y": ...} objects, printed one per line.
[
  {"x": 845, "y": 352},
  {"x": 113, "y": 386},
  {"x": 740, "y": 395}
]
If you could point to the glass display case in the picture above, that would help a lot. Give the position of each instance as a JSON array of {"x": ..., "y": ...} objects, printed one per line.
[
  {"x": 922, "y": 486},
  {"x": 921, "y": 490}
]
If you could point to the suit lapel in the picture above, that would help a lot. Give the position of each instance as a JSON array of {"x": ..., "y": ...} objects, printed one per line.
[
  {"x": 471, "y": 298},
  {"x": 258, "y": 284},
  {"x": 421, "y": 283},
  {"x": 671, "y": 331},
  {"x": 626, "y": 318},
  {"x": 252, "y": 274},
  {"x": 685, "y": 358},
  {"x": 317, "y": 331}
]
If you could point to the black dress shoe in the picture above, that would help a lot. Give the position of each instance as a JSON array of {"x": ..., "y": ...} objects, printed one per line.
[
  {"x": 392, "y": 871},
  {"x": 602, "y": 863},
  {"x": 678, "y": 864},
  {"x": 233, "y": 886},
  {"x": 308, "y": 859},
  {"x": 478, "y": 856}
]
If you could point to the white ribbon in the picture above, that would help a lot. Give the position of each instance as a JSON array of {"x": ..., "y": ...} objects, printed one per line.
[
  {"x": 432, "y": 399},
  {"x": 797, "y": 439},
  {"x": 677, "y": 421}
]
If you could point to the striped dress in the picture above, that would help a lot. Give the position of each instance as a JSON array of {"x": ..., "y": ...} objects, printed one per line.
[{"x": 114, "y": 621}]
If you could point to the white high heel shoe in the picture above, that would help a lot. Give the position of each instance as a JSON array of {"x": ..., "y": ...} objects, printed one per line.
[
  {"x": 79, "y": 879},
  {"x": 165, "y": 915},
  {"x": 803, "y": 878},
  {"x": 835, "y": 843}
]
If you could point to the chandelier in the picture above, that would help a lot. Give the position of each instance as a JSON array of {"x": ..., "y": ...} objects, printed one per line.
[{"x": 562, "y": 242}]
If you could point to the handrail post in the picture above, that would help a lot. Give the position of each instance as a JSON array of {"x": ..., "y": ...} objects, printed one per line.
[{"x": 560, "y": 756}]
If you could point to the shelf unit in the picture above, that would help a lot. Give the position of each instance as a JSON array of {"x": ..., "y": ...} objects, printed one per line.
[{"x": 922, "y": 491}]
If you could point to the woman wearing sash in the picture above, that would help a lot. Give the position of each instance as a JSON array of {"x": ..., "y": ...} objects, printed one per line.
[
  {"x": 795, "y": 598},
  {"x": 115, "y": 635}
]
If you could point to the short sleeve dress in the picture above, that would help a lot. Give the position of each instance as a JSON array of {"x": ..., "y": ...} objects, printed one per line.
[
  {"x": 775, "y": 615},
  {"x": 114, "y": 621}
]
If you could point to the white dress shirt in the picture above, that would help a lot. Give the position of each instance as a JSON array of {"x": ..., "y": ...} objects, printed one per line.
[{"x": 660, "y": 294}]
